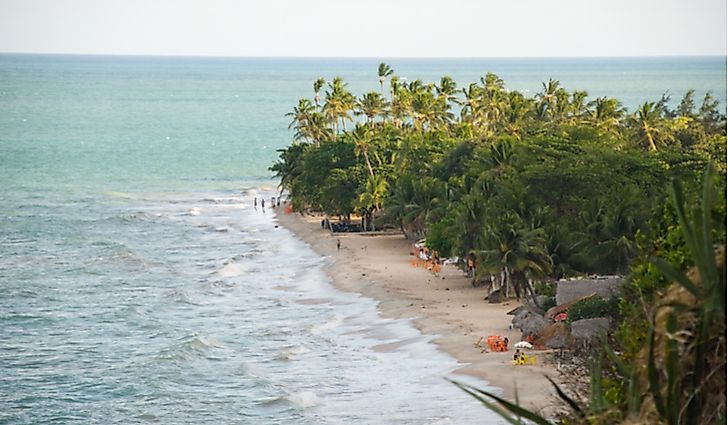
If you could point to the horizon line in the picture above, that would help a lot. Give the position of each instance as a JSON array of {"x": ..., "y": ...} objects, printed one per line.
[{"x": 171, "y": 56}]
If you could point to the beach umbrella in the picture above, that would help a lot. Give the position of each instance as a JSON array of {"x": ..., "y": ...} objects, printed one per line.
[{"x": 523, "y": 344}]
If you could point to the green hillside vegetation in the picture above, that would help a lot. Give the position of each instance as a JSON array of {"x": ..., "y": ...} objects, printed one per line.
[{"x": 544, "y": 187}]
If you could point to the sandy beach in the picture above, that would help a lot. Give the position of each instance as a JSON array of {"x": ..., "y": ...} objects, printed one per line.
[{"x": 379, "y": 266}]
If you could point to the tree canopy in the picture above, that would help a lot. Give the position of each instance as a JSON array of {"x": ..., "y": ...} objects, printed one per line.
[{"x": 534, "y": 188}]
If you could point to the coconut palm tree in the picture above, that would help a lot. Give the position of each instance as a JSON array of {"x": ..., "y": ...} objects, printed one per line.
[
  {"x": 578, "y": 105},
  {"x": 339, "y": 103},
  {"x": 317, "y": 86},
  {"x": 384, "y": 71},
  {"x": 372, "y": 198},
  {"x": 470, "y": 109},
  {"x": 362, "y": 138},
  {"x": 516, "y": 252},
  {"x": 517, "y": 108},
  {"x": 400, "y": 203},
  {"x": 446, "y": 89},
  {"x": 647, "y": 121},
  {"x": 301, "y": 115},
  {"x": 423, "y": 109},
  {"x": 371, "y": 104},
  {"x": 606, "y": 113},
  {"x": 548, "y": 94}
]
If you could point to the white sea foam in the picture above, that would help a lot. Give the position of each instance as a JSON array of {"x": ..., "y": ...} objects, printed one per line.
[
  {"x": 336, "y": 321},
  {"x": 181, "y": 296},
  {"x": 440, "y": 421},
  {"x": 292, "y": 352},
  {"x": 232, "y": 269},
  {"x": 304, "y": 399}
]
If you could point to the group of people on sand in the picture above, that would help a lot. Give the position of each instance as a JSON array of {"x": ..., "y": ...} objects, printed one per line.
[
  {"x": 425, "y": 258},
  {"x": 274, "y": 202}
]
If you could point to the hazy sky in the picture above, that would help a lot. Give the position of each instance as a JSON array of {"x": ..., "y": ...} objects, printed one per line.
[{"x": 371, "y": 28}]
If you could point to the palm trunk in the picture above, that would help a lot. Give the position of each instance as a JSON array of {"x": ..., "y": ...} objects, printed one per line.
[
  {"x": 369, "y": 164},
  {"x": 505, "y": 282},
  {"x": 650, "y": 141}
]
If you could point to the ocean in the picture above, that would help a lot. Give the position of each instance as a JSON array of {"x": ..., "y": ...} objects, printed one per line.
[{"x": 138, "y": 282}]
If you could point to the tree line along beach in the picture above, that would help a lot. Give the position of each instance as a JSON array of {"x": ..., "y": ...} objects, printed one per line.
[{"x": 530, "y": 190}]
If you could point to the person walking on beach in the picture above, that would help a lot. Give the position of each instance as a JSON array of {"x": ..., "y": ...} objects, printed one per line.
[{"x": 338, "y": 244}]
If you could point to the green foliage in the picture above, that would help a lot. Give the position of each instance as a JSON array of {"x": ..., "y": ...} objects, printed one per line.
[
  {"x": 539, "y": 188},
  {"x": 684, "y": 345},
  {"x": 545, "y": 288},
  {"x": 438, "y": 237},
  {"x": 594, "y": 306},
  {"x": 549, "y": 303}
]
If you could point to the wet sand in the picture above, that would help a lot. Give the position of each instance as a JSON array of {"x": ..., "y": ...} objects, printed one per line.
[{"x": 379, "y": 266}]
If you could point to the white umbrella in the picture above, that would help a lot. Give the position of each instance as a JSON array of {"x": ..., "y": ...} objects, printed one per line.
[{"x": 523, "y": 344}]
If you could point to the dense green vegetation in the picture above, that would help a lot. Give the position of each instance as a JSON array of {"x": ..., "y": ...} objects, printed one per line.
[
  {"x": 533, "y": 188},
  {"x": 539, "y": 188},
  {"x": 666, "y": 363}
]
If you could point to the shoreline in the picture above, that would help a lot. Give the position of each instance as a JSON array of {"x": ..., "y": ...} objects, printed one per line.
[{"x": 445, "y": 306}]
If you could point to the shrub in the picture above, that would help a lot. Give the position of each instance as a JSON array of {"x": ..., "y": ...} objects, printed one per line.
[
  {"x": 594, "y": 306},
  {"x": 548, "y": 303},
  {"x": 545, "y": 288}
]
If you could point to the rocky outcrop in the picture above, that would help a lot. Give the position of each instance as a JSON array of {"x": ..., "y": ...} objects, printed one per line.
[
  {"x": 589, "y": 329},
  {"x": 494, "y": 297},
  {"x": 533, "y": 305},
  {"x": 555, "y": 336},
  {"x": 530, "y": 322}
]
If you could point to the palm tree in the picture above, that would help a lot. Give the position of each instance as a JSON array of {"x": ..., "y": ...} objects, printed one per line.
[
  {"x": 372, "y": 198},
  {"x": 384, "y": 71},
  {"x": 548, "y": 95},
  {"x": 470, "y": 107},
  {"x": 427, "y": 203},
  {"x": 371, "y": 104},
  {"x": 515, "y": 112},
  {"x": 317, "y": 85},
  {"x": 447, "y": 89},
  {"x": 422, "y": 107},
  {"x": 606, "y": 113},
  {"x": 516, "y": 252},
  {"x": 317, "y": 128},
  {"x": 362, "y": 137},
  {"x": 301, "y": 118},
  {"x": 578, "y": 105},
  {"x": 339, "y": 103},
  {"x": 399, "y": 203},
  {"x": 647, "y": 121}
]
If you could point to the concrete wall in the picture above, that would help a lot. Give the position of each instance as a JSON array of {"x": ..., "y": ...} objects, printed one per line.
[{"x": 604, "y": 286}]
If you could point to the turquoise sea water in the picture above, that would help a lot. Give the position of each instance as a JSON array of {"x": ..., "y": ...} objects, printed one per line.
[{"x": 138, "y": 283}]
